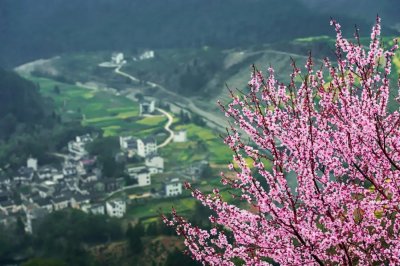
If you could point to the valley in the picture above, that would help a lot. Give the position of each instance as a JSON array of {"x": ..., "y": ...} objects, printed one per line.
[{"x": 152, "y": 123}]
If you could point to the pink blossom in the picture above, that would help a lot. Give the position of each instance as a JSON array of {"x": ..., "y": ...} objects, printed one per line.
[{"x": 342, "y": 152}]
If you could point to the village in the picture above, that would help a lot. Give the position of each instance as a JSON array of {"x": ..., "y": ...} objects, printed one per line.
[{"x": 78, "y": 182}]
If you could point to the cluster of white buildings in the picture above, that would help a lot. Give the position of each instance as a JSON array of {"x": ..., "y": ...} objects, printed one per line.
[
  {"x": 76, "y": 183},
  {"x": 77, "y": 147},
  {"x": 153, "y": 163},
  {"x": 118, "y": 58},
  {"x": 148, "y": 54},
  {"x": 141, "y": 174},
  {"x": 135, "y": 146},
  {"x": 112, "y": 208},
  {"x": 116, "y": 208}
]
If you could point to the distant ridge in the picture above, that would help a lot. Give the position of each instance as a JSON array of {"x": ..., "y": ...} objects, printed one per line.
[{"x": 42, "y": 28}]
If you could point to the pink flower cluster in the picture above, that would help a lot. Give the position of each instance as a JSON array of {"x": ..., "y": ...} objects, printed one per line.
[{"x": 333, "y": 137}]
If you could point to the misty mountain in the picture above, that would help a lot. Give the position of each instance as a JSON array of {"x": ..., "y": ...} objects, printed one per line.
[
  {"x": 388, "y": 10},
  {"x": 43, "y": 28}
]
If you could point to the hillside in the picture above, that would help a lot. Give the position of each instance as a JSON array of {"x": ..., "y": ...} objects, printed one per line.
[
  {"x": 197, "y": 74},
  {"x": 21, "y": 105},
  {"x": 366, "y": 9},
  {"x": 29, "y": 125},
  {"x": 32, "y": 30}
]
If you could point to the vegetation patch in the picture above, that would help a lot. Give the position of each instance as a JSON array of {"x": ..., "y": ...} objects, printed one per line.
[
  {"x": 154, "y": 208},
  {"x": 153, "y": 120},
  {"x": 114, "y": 115}
]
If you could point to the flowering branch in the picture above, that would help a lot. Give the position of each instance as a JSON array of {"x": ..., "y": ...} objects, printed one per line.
[{"x": 336, "y": 141}]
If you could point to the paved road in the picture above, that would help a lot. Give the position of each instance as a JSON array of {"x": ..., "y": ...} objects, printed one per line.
[
  {"x": 213, "y": 120},
  {"x": 119, "y": 72},
  {"x": 170, "y": 118},
  {"x": 167, "y": 128}
]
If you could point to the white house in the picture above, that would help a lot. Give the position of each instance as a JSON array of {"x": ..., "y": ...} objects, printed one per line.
[
  {"x": 146, "y": 55},
  {"x": 127, "y": 143},
  {"x": 61, "y": 203},
  {"x": 173, "y": 187},
  {"x": 70, "y": 171},
  {"x": 180, "y": 136},
  {"x": 117, "y": 58},
  {"x": 97, "y": 209},
  {"x": 116, "y": 208},
  {"x": 32, "y": 163},
  {"x": 77, "y": 147},
  {"x": 146, "y": 147},
  {"x": 84, "y": 138},
  {"x": 155, "y": 164},
  {"x": 58, "y": 177},
  {"x": 147, "y": 107},
  {"x": 143, "y": 178},
  {"x": 141, "y": 174},
  {"x": 47, "y": 172},
  {"x": 88, "y": 178}
]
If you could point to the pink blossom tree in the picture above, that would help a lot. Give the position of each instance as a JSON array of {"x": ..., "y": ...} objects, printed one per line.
[{"x": 332, "y": 128}]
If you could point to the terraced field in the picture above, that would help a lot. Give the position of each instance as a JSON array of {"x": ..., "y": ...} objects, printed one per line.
[
  {"x": 115, "y": 115},
  {"x": 203, "y": 143}
]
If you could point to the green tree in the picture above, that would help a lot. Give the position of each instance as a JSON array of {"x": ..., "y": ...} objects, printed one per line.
[
  {"x": 105, "y": 149},
  {"x": 56, "y": 89},
  {"x": 206, "y": 172},
  {"x": 198, "y": 120},
  {"x": 44, "y": 262},
  {"x": 133, "y": 235},
  {"x": 65, "y": 234},
  {"x": 139, "y": 96},
  {"x": 177, "y": 257},
  {"x": 184, "y": 117},
  {"x": 152, "y": 229}
]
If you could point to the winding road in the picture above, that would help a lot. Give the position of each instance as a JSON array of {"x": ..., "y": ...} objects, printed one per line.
[
  {"x": 185, "y": 103},
  {"x": 119, "y": 72},
  {"x": 167, "y": 128},
  {"x": 170, "y": 118}
]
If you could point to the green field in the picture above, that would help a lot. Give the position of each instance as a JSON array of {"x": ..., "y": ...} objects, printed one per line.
[
  {"x": 144, "y": 209},
  {"x": 203, "y": 144},
  {"x": 115, "y": 115},
  {"x": 155, "y": 207}
]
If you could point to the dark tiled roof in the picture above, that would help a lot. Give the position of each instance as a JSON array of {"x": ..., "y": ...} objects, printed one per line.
[
  {"x": 62, "y": 198},
  {"x": 7, "y": 203},
  {"x": 43, "y": 201},
  {"x": 81, "y": 197}
]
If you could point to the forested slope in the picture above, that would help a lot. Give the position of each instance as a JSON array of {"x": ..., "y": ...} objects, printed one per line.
[{"x": 42, "y": 28}]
